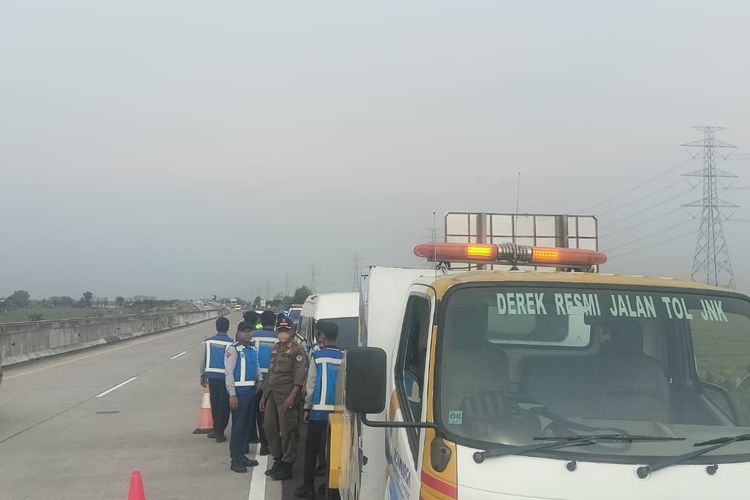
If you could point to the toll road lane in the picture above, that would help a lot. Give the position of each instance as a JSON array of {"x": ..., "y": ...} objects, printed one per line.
[{"x": 59, "y": 440}]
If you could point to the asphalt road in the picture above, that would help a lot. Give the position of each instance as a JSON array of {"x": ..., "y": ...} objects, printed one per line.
[{"x": 69, "y": 430}]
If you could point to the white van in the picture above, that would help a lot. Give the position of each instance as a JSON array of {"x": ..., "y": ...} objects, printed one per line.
[{"x": 339, "y": 308}]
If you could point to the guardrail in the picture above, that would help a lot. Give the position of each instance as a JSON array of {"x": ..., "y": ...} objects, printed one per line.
[{"x": 25, "y": 341}]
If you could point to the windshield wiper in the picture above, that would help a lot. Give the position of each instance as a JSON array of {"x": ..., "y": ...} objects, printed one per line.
[
  {"x": 564, "y": 441},
  {"x": 711, "y": 445}
]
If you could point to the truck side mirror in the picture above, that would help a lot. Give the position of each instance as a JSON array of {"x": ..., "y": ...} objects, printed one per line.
[{"x": 365, "y": 380}]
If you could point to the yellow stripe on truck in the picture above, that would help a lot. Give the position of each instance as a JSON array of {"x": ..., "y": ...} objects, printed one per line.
[{"x": 336, "y": 429}]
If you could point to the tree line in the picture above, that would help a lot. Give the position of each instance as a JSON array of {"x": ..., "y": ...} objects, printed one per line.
[{"x": 21, "y": 299}]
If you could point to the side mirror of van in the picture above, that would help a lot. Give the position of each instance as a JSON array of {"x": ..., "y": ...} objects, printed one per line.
[{"x": 365, "y": 380}]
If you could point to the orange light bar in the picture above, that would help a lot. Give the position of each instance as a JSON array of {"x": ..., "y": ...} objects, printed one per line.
[
  {"x": 573, "y": 257},
  {"x": 509, "y": 253},
  {"x": 456, "y": 252}
]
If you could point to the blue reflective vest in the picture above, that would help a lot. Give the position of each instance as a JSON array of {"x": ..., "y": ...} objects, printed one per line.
[
  {"x": 215, "y": 348},
  {"x": 246, "y": 369},
  {"x": 327, "y": 362},
  {"x": 263, "y": 341}
]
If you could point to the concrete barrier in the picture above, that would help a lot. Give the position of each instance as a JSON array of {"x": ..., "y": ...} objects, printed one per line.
[{"x": 26, "y": 341}]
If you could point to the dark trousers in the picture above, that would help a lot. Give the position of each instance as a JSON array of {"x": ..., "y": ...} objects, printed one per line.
[
  {"x": 256, "y": 425},
  {"x": 219, "y": 404},
  {"x": 314, "y": 443},
  {"x": 241, "y": 418}
]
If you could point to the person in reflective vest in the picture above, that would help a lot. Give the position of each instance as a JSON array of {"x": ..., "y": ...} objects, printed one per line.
[
  {"x": 263, "y": 341},
  {"x": 212, "y": 376},
  {"x": 253, "y": 317},
  {"x": 242, "y": 375},
  {"x": 320, "y": 399}
]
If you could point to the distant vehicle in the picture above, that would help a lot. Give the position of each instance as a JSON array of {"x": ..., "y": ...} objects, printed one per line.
[
  {"x": 339, "y": 308},
  {"x": 293, "y": 313},
  {"x": 237, "y": 307}
]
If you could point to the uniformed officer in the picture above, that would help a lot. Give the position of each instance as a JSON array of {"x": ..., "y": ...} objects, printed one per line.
[
  {"x": 255, "y": 427},
  {"x": 281, "y": 401},
  {"x": 212, "y": 375},
  {"x": 320, "y": 398},
  {"x": 263, "y": 340},
  {"x": 242, "y": 375}
]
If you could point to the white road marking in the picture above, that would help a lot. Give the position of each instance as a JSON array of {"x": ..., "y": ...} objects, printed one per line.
[
  {"x": 178, "y": 355},
  {"x": 115, "y": 387},
  {"x": 258, "y": 481}
]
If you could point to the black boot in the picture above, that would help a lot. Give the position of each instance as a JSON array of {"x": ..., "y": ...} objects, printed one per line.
[
  {"x": 211, "y": 435},
  {"x": 307, "y": 492},
  {"x": 220, "y": 438},
  {"x": 264, "y": 450},
  {"x": 247, "y": 462},
  {"x": 238, "y": 466},
  {"x": 283, "y": 473},
  {"x": 274, "y": 468}
]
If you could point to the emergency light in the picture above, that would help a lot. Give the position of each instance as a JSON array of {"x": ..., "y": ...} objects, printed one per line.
[{"x": 509, "y": 253}]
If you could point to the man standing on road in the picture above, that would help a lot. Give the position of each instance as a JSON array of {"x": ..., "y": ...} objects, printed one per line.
[
  {"x": 254, "y": 435},
  {"x": 281, "y": 402},
  {"x": 242, "y": 374},
  {"x": 264, "y": 340},
  {"x": 212, "y": 375},
  {"x": 320, "y": 398}
]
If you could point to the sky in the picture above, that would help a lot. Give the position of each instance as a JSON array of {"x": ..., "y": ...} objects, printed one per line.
[{"x": 184, "y": 148}]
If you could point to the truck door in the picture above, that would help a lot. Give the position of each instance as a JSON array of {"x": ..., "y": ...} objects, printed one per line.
[{"x": 404, "y": 445}]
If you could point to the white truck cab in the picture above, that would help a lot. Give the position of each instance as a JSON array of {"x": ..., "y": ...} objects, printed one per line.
[{"x": 494, "y": 385}]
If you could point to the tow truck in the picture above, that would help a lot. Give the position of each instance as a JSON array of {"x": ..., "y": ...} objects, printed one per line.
[{"x": 518, "y": 384}]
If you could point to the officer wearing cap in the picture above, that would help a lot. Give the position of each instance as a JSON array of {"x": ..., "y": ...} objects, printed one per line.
[
  {"x": 242, "y": 375},
  {"x": 212, "y": 376},
  {"x": 264, "y": 339},
  {"x": 320, "y": 398},
  {"x": 281, "y": 401},
  {"x": 256, "y": 429}
]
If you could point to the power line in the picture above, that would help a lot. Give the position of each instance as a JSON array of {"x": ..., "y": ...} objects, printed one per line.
[
  {"x": 663, "y": 202},
  {"x": 640, "y": 224},
  {"x": 651, "y": 193},
  {"x": 647, "y": 247},
  {"x": 650, "y": 235},
  {"x": 638, "y": 186}
]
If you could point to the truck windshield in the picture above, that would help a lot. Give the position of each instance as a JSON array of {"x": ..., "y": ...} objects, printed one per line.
[{"x": 519, "y": 362}]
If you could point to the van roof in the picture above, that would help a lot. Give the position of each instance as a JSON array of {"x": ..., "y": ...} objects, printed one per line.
[{"x": 333, "y": 305}]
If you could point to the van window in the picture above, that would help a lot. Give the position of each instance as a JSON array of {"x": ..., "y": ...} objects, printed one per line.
[{"x": 348, "y": 331}]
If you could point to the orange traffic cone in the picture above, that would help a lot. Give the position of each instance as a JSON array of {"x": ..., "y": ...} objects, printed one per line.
[
  {"x": 136, "y": 487},
  {"x": 205, "y": 422}
]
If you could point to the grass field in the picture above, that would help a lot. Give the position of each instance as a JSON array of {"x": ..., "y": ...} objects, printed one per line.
[{"x": 49, "y": 313}]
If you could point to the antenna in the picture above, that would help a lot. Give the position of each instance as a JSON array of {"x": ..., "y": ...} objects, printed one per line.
[
  {"x": 518, "y": 190},
  {"x": 434, "y": 240},
  {"x": 355, "y": 274}
]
